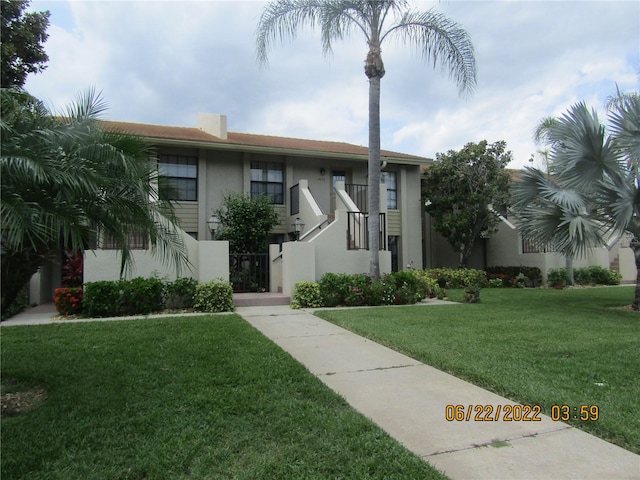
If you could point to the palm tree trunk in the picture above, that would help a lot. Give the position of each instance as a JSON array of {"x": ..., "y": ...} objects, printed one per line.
[
  {"x": 374, "y": 176},
  {"x": 569, "y": 266}
]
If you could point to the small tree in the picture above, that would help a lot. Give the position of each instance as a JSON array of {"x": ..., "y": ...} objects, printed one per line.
[
  {"x": 245, "y": 222},
  {"x": 460, "y": 189},
  {"x": 22, "y": 35}
]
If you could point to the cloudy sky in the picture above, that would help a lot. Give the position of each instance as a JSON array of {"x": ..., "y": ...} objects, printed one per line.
[{"x": 162, "y": 62}]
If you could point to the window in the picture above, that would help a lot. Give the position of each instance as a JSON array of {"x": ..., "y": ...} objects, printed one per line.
[
  {"x": 390, "y": 180},
  {"x": 268, "y": 178},
  {"x": 136, "y": 241},
  {"x": 181, "y": 175}
]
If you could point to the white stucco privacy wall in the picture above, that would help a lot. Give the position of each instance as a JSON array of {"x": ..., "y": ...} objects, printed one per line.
[{"x": 208, "y": 260}]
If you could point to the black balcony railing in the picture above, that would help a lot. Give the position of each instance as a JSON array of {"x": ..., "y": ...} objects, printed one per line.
[
  {"x": 531, "y": 247},
  {"x": 359, "y": 194},
  {"x": 358, "y": 231}
]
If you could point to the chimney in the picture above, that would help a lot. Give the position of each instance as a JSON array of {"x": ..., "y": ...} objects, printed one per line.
[{"x": 213, "y": 124}]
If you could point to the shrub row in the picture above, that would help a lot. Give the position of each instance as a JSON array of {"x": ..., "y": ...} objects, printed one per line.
[
  {"x": 594, "y": 275},
  {"x": 457, "y": 278},
  {"x": 141, "y": 296},
  {"x": 514, "y": 276},
  {"x": 350, "y": 290}
]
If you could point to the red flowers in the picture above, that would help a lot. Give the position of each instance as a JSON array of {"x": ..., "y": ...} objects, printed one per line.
[{"x": 68, "y": 300}]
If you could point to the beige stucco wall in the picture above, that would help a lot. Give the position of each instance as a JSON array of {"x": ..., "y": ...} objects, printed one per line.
[
  {"x": 410, "y": 204},
  {"x": 208, "y": 260}
]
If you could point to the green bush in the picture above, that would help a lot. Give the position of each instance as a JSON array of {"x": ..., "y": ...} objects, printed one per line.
[
  {"x": 557, "y": 277},
  {"x": 334, "y": 288},
  {"x": 596, "y": 275},
  {"x": 357, "y": 286},
  {"x": 495, "y": 283},
  {"x": 509, "y": 275},
  {"x": 141, "y": 296},
  {"x": 20, "y": 304},
  {"x": 410, "y": 287},
  {"x": 433, "y": 288},
  {"x": 179, "y": 293},
  {"x": 101, "y": 299},
  {"x": 214, "y": 296},
  {"x": 458, "y": 278},
  {"x": 306, "y": 295},
  {"x": 381, "y": 291},
  {"x": 398, "y": 288}
]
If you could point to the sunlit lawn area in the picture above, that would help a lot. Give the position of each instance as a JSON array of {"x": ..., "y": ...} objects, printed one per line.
[
  {"x": 200, "y": 397},
  {"x": 536, "y": 346}
]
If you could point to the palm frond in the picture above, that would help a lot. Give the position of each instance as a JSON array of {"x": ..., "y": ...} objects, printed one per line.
[
  {"x": 583, "y": 154},
  {"x": 281, "y": 20},
  {"x": 440, "y": 40},
  {"x": 625, "y": 127}
]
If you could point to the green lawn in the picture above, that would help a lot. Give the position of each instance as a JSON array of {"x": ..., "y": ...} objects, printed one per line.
[
  {"x": 535, "y": 346},
  {"x": 199, "y": 397}
]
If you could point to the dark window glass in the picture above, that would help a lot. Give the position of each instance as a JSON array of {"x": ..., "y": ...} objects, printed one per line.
[
  {"x": 267, "y": 178},
  {"x": 180, "y": 174}
]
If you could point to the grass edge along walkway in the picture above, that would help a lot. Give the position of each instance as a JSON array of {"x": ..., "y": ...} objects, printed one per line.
[
  {"x": 197, "y": 397},
  {"x": 535, "y": 346}
]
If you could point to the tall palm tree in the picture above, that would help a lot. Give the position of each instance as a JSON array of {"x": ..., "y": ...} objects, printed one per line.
[
  {"x": 592, "y": 192},
  {"x": 65, "y": 182},
  {"x": 438, "y": 39}
]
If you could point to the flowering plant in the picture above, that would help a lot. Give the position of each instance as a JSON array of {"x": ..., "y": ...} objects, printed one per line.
[{"x": 68, "y": 300}]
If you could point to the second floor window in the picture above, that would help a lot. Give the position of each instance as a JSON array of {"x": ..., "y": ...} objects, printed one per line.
[
  {"x": 180, "y": 174},
  {"x": 390, "y": 180},
  {"x": 268, "y": 178}
]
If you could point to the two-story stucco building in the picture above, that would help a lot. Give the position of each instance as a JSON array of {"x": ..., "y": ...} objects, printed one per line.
[{"x": 320, "y": 184}]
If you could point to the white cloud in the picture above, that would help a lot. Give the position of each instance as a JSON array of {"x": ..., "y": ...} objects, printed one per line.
[{"x": 164, "y": 61}]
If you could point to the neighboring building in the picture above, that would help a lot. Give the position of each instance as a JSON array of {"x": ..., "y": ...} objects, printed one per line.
[{"x": 507, "y": 248}]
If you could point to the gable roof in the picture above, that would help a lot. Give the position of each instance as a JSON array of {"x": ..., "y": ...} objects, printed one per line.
[{"x": 195, "y": 137}]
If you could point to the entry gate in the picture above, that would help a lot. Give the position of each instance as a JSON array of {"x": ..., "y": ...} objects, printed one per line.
[{"x": 249, "y": 272}]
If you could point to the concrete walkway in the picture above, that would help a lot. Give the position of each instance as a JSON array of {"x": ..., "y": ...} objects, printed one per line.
[{"x": 409, "y": 400}]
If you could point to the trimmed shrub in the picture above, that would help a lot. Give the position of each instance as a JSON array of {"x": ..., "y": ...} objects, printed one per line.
[
  {"x": 433, "y": 288},
  {"x": 141, "y": 296},
  {"x": 557, "y": 277},
  {"x": 512, "y": 276},
  {"x": 410, "y": 288},
  {"x": 596, "y": 275},
  {"x": 306, "y": 295},
  {"x": 398, "y": 288},
  {"x": 458, "y": 278},
  {"x": 214, "y": 296},
  {"x": 179, "y": 293},
  {"x": 101, "y": 299},
  {"x": 381, "y": 291},
  {"x": 68, "y": 300},
  {"x": 334, "y": 288}
]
